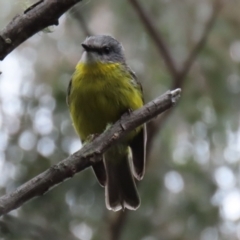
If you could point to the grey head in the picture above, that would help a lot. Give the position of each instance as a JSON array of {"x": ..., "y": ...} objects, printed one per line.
[{"x": 102, "y": 48}]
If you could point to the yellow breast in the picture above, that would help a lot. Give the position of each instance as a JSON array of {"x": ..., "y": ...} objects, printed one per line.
[{"x": 100, "y": 94}]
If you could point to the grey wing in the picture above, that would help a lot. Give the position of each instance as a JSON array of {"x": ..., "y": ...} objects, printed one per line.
[
  {"x": 138, "y": 147},
  {"x": 135, "y": 81},
  {"x": 138, "y": 143}
]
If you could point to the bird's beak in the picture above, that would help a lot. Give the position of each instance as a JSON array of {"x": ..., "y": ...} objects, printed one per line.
[{"x": 85, "y": 47}]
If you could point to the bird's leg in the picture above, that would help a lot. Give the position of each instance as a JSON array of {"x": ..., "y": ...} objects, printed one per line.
[
  {"x": 127, "y": 113},
  {"x": 90, "y": 138}
]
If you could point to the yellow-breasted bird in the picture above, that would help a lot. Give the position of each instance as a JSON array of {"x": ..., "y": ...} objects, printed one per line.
[{"x": 101, "y": 90}]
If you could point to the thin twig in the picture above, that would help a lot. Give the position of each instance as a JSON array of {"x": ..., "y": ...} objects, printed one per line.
[
  {"x": 178, "y": 82},
  {"x": 155, "y": 126},
  {"x": 157, "y": 38},
  {"x": 89, "y": 153},
  {"x": 80, "y": 19}
]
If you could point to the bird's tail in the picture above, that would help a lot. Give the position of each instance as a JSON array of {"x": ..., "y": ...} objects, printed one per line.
[{"x": 120, "y": 190}]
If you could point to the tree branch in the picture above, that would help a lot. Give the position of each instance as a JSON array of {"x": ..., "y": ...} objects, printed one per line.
[
  {"x": 40, "y": 15},
  {"x": 157, "y": 38},
  {"x": 77, "y": 15},
  {"x": 179, "y": 80},
  {"x": 198, "y": 46},
  {"x": 178, "y": 75},
  {"x": 89, "y": 153}
]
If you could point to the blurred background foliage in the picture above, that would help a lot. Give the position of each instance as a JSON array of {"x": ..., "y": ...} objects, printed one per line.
[{"x": 191, "y": 187}]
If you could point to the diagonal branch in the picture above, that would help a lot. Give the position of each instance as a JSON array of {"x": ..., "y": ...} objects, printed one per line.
[
  {"x": 198, "y": 46},
  {"x": 89, "y": 153},
  {"x": 157, "y": 38},
  {"x": 76, "y": 13},
  {"x": 37, "y": 17}
]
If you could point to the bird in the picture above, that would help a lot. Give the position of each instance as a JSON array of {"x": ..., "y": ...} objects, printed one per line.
[{"x": 102, "y": 89}]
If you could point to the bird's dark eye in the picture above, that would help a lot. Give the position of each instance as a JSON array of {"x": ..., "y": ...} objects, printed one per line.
[{"x": 106, "y": 50}]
